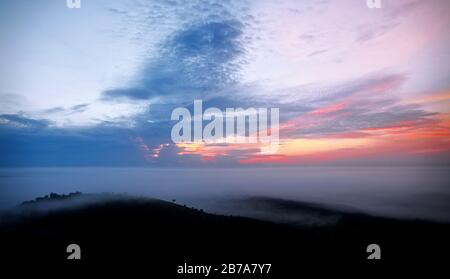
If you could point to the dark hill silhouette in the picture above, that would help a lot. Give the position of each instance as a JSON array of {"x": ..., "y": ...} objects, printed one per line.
[{"x": 161, "y": 235}]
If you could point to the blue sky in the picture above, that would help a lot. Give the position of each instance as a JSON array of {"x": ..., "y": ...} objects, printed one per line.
[{"x": 96, "y": 85}]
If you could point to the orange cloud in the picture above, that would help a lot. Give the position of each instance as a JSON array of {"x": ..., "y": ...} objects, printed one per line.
[
  {"x": 422, "y": 136},
  {"x": 440, "y": 96},
  {"x": 401, "y": 138},
  {"x": 329, "y": 109}
]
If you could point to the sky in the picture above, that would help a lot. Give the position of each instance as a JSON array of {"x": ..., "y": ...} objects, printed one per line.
[{"x": 96, "y": 86}]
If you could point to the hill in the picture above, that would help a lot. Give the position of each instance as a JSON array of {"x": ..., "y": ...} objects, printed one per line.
[{"x": 163, "y": 235}]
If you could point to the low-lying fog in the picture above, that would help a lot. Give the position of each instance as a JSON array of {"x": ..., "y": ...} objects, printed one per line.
[{"x": 411, "y": 192}]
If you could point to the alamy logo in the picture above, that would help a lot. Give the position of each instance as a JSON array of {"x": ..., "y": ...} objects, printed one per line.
[
  {"x": 73, "y": 4},
  {"x": 373, "y": 4},
  {"x": 75, "y": 252},
  {"x": 234, "y": 125},
  {"x": 375, "y": 252}
]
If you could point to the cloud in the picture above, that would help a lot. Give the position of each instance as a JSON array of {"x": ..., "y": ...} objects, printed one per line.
[
  {"x": 369, "y": 32},
  {"x": 79, "y": 108},
  {"x": 67, "y": 111},
  {"x": 317, "y": 52},
  {"x": 131, "y": 93},
  {"x": 103, "y": 145},
  {"x": 20, "y": 121},
  {"x": 54, "y": 110},
  {"x": 232, "y": 54},
  {"x": 368, "y": 102},
  {"x": 196, "y": 60}
]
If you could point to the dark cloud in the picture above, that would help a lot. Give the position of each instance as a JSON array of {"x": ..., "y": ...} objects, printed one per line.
[
  {"x": 73, "y": 109},
  {"x": 317, "y": 52},
  {"x": 54, "y": 110},
  {"x": 79, "y": 108},
  {"x": 195, "y": 61},
  {"x": 100, "y": 146},
  {"x": 20, "y": 121},
  {"x": 131, "y": 93}
]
